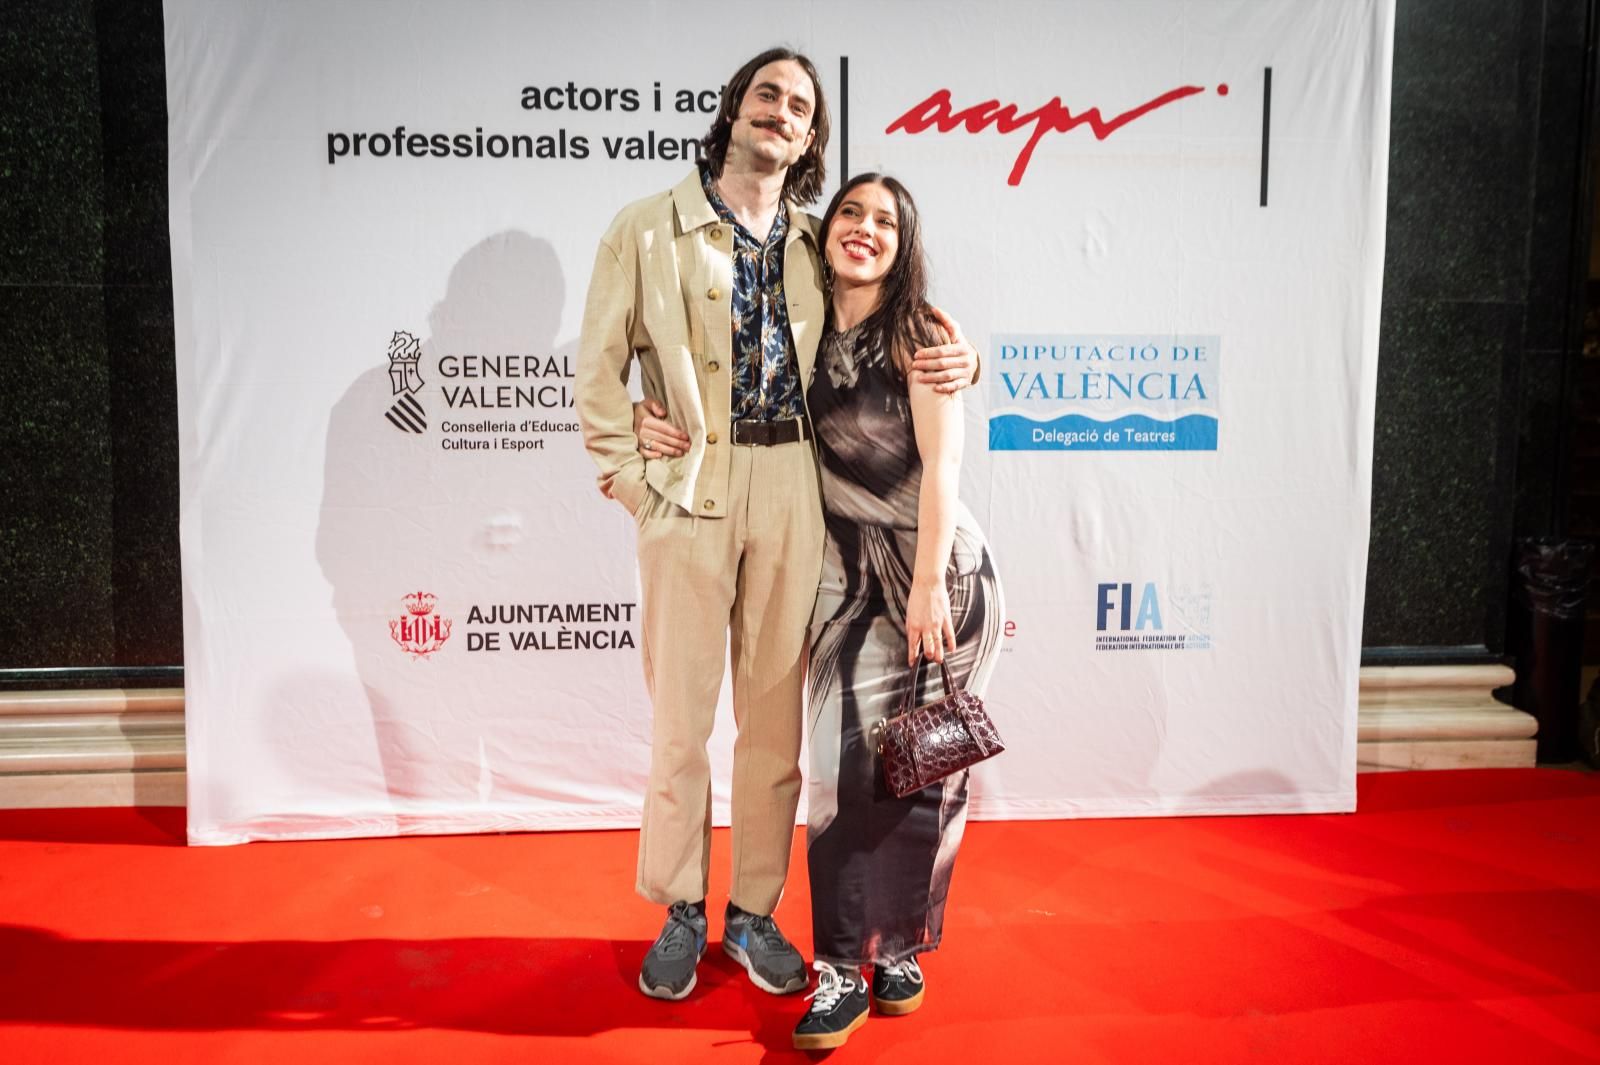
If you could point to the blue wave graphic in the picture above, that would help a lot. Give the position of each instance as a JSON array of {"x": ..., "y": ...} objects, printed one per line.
[{"x": 1078, "y": 432}]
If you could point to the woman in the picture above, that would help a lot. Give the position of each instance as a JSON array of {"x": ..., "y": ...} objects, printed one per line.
[{"x": 906, "y": 574}]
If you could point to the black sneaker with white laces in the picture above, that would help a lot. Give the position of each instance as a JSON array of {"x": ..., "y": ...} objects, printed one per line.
[
  {"x": 838, "y": 1007},
  {"x": 897, "y": 989},
  {"x": 754, "y": 941},
  {"x": 668, "y": 969}
]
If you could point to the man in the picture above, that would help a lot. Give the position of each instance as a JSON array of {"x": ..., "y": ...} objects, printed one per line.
[{"x": 715, "y": 288}]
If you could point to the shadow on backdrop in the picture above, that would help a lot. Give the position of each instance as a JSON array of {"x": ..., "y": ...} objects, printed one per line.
[{"x": 401, "y": 515}]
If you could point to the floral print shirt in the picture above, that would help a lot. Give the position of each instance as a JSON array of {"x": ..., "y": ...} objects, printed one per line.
[{"x": 766, "y": 374}]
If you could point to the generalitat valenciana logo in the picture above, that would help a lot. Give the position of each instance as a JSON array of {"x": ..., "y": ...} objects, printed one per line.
[{"x": 406, "y": 414}]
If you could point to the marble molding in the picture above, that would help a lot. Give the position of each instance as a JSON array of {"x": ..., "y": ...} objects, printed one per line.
[
  {"x": 1440, "y": 717},
  {"x": 126, "y": 748},
  {"x": 92, "y": 748}
]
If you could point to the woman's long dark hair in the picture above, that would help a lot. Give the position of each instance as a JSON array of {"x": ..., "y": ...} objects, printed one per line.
[
  {"x": 803, "y": 183},
  {"x": 901, "y": 322}
]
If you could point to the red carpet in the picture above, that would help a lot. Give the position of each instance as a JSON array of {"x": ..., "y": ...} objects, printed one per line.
[{"x": 1456, "y": 918}]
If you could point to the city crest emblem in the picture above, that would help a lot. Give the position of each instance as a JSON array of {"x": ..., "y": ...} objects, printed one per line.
[{"x": 419, "y": 631}]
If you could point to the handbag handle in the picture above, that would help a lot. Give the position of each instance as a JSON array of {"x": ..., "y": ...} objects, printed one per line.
[{"x": 916, "y": 681}]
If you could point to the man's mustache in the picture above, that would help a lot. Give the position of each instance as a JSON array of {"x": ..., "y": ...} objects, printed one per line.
[{"x": 774, "y": 125}]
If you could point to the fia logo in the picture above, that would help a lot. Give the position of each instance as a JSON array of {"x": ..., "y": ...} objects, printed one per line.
[
  {"x": 1120, "y": 598},
  {"x": 1140, "y": 615},
  {"x": 405, "y": 353},
  {"x": 419, "y": 631}
]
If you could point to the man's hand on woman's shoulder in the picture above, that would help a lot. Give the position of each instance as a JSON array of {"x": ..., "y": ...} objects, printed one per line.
[{"x": 950, "y": 366}]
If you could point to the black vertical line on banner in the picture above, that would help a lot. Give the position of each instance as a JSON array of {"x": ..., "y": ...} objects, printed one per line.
[
  {"x": 844, "y": 119},
  {"x": 1266, "y": 129}
]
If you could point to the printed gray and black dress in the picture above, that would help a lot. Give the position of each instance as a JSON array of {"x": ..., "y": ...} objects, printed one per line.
[{"x": 879, "y": 866}]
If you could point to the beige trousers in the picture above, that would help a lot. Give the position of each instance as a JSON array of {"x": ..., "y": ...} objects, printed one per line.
[{"x": 747, "y": 582}]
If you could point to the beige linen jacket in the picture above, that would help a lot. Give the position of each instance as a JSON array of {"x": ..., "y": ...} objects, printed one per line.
[{"x": 660, "y": 291}]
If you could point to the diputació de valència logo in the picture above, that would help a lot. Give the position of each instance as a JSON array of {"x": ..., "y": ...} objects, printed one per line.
[
  {"x": 1079, "y": 392},
  {"x": 405, "y": 379}
]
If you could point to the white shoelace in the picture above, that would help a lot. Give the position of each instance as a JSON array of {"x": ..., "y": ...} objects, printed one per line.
[
  {"x": 831, "y": 987},
  {"x": 908, "y": 969}
]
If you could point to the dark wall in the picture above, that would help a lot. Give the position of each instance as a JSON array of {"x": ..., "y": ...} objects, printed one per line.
[
  {"x": 1490, "y": 107},
  {"x": 1490, "y": 110},
  {"x": 89, "y": 484}
]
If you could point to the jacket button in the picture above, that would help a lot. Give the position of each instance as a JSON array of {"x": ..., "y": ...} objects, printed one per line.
[
  {"x": 708, "y": 504},
  {"x": 716, "y": 232},
  {"x": 712, "y": 294},
  {"x": 711, "y": 438},
  {"x": 714, "y": 367}
]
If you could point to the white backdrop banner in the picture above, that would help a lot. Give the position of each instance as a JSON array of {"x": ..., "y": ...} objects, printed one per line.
[{"x": 407, "y": 607}]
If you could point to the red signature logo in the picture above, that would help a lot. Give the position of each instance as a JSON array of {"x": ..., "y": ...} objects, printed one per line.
[{"x": 1053, "y": 117}]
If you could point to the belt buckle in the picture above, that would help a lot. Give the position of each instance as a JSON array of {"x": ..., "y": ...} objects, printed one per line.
[
  {"x": 752, "y": 433},
  {"x": 765, "y": 434}
]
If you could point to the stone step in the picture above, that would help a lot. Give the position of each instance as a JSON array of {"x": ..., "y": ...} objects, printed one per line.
[
  {"x": 92, "y": 748},
  {"x": 116, "y": 748},
  {"x": 1440, "y": 717}
]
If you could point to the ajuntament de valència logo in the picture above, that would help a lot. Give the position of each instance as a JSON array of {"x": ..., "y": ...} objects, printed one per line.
[
  {"x": 1081, "y": 392},
  {"x": 405, "y": 379},
  {"x": 419, "y": 631},
  {"x": 1143, "y": 616}
]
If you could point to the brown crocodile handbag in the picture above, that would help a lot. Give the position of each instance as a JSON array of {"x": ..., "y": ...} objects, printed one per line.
[{"x": 924, "y": 745}]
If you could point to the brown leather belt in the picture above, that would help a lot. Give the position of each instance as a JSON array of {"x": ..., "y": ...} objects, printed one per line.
[{"x": 765, "y": 434}]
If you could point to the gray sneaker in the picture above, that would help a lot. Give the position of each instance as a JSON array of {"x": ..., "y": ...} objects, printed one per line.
[
  {"x": 668, "y": 969},
  {"x": 755, "y": 942}
]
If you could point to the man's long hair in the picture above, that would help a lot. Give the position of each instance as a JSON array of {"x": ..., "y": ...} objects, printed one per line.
[
  {"x": 803, "y": 183},
  {"x": 901, "y": 322}
]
